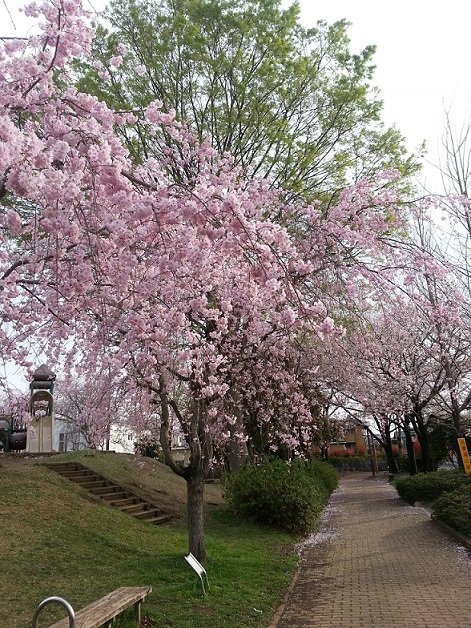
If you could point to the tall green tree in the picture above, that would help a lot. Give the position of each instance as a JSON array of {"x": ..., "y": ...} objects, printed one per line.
[{"x": 289, "y": 103}]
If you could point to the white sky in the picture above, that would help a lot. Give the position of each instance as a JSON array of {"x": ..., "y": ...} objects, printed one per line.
[{"x": 422, "y": 59}]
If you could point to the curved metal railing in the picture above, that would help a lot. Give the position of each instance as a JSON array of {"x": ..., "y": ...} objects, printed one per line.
[{"x": 59, "y": 600}]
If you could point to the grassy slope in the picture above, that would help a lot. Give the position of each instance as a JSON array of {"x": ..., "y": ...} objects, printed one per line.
[{"x": 56, "y": 542}]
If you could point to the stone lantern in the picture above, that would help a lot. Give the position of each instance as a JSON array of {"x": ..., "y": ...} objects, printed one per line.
[{"x": 41, "y": 407}]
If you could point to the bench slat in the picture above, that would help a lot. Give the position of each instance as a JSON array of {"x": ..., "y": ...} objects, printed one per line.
[{"x": 98, "y": 613}]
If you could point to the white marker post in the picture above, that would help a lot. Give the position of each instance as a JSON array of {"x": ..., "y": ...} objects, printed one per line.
[{"x": 200, "y": 570}]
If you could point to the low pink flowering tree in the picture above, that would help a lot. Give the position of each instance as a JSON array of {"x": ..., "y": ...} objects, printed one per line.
[
  {"x": 405, "y": 354},
  {"x": 103, "y": 406}
]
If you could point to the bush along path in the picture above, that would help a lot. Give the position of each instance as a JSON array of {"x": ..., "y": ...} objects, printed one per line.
[
  {"x": 378, "y": 562},
  {"x": 289, "y": 497},
  {"x": 428, "y": 487},
  {"x": 448, "y": 495}
]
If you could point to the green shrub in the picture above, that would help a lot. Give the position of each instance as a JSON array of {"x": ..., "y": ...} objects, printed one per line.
[
  {"x": 428, "y": 487},
  {"x": 285, "y": 496},
  {"x": 454, "y": 509},
  {"x": 149, "y": 448},
  {"x": 326, "y": 472}
]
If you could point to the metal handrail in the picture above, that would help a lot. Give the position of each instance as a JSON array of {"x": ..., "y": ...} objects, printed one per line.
[{"x": 65, "y": 604}]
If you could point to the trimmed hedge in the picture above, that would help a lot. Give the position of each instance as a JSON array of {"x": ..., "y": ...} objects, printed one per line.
[
  {"x": 428, "y": 487},
  {"x": 288, "y": 497},
  {"x": 454, "y": 509}
]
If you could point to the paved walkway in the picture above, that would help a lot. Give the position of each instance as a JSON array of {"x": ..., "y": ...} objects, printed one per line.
[{"x": 378, "y": 563}]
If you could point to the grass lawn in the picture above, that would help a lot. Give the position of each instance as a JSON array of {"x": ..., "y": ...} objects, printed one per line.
[{"x": 57, "y": 540}]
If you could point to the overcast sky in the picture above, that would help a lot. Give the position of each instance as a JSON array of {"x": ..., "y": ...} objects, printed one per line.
[{"x": 422, "y": 60}]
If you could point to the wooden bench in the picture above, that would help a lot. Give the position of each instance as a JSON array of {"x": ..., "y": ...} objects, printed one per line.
[{"x": 103, "y": 611}]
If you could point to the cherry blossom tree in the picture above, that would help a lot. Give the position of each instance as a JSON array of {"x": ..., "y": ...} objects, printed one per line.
[
  {"x": 405, "y": 356},
  {"x": 182, "y": 287},
  {"x": 214, "y": 298},
  {"x": 103, "y": 407}
]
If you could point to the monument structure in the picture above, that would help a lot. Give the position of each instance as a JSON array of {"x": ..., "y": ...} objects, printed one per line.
[{"x": 40, "y": 437}]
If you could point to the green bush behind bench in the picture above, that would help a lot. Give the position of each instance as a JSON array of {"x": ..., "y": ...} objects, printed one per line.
[{"x": 284, "y": 496}]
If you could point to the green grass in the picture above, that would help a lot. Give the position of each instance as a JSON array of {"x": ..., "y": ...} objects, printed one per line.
[{"x": 56, "y": 542}]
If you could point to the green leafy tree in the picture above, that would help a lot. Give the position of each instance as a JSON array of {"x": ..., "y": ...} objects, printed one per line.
[{"x": 289, "y": 103}]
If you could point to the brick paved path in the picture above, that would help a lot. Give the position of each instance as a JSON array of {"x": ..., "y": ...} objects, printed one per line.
[{"x": 378, "y": 563}]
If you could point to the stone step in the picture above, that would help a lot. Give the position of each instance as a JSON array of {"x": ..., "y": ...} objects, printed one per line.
[
  {"x": 94, "y": 484},
  {"x": 118, "y": 497},
  {"x": 76, "y": 473},
  {"x": 99, "y": 491},
  {"x": 131, "y": 509},
  {"x": 112, "y": 494},
  {"x": 119, "y": 502},
  {"x": 91, "y": 477},
  {"x": 83, "y": 479},
  {"x": 158, "y": 520},
  {"x": 60, "y": 468},
  {"x": 147, "y": 513}
]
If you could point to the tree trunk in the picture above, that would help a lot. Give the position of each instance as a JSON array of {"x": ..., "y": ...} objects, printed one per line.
[
  {"x": 194, "y": 473},
  {"x": 427, "y": 462},
  {"x": 324, "y": 452},
  {"x": 237, "y": 451},
  {"x": 237, "y": 454},
  {"x": 370, "y": 449},
  {"x": 195, "y": 494},
  {"x": 456, "y": 417},
  {"x": 423, "y": 438},
  {"x": 392, "y": 466},
  {"x": 410, "y": 452}
]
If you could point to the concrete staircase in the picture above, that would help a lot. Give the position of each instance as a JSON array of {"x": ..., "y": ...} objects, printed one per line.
[{"x": 111, "y": 493}]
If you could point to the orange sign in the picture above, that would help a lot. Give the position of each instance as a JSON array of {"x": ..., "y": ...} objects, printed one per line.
[{"x": 465, "y": 455}]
